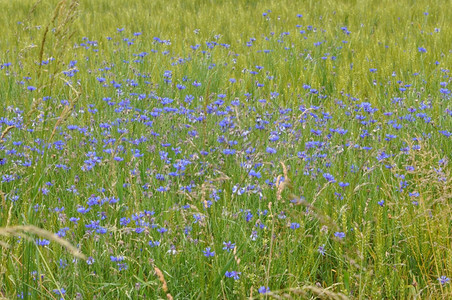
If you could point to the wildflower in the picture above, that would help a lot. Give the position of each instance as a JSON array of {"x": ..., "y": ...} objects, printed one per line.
[
  {"x": 270, "y": 150},
  {"x": 122, "y": 267},
  {"x": 62, "y": 263},
  {"x": 294, "y": 225},
  {"x": 172, "y": 250},
  {"x": 228, "y": 246},
  {"x": 233, "y": 274},
  {"x": 124, "y": 221},
  {"x": 263, "y": 290},
  {"x": 255, "y": 173},
  {"x": 8, "y": 178},
  {"x": 60, "y": 291},
  {"x": 443, "y": 280},
  {"x": 42, "y": 242},
  {"x": 321, "y": 250},
  {"x": 329, "y": 177},
  {"x": 208, "y": 253},
  {"x": 197, "y": 218},
  {"x": 74, "y": 220},
  {"x": 229, "y": 151},
  {"x": 339, "y": 235},
  {"x": 116, "y": 258}
]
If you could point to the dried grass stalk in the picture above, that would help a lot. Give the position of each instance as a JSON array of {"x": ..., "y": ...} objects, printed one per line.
[
  {"x": 20, "y": 230},
  {"x": 161, "y": 277},
  {"x": 5, "y": 132}
]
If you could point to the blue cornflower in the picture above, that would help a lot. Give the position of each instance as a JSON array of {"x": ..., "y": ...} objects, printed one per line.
[
  {"x": 42, "y": 242},
  {"x": 74, "y": 220},
  {"x": 122, "y": 267},
  {"x": 60, "y": 291},
  {"x": 116, "y": 258},
  {"x": 154, "y": 244},
  {"x": 101, "y": 230},
  {"x": 197, "y": 218},
  {"x": 339, "y": 235},
  {"x": 124, "y": 221},
  {"x": 229, "y": 151},
  {"x": 228, "y": 246},
  {"x": 329, "y": 177},
  {"x": 139, "y": 230},
  {"x": 255, "y": 173},
  {"x": 233, "y": 274},
  {"x": 263, "y": 290},
  {"x": 8, "y": 178},
  {"x": 270, "y": 150},
  {"x": 294, "y": 225},
  {"x": 162, "y": 230},
  {"x": 443, "y": 280},
  {"x": 208, "y": 253},
  {"x": 390, "y": 137}
]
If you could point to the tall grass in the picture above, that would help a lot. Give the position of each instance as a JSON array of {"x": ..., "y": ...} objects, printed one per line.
[{"x": 225, "y": 149}]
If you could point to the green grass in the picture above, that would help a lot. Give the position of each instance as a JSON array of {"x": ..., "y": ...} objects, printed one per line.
[{"x": 398, "y": 248}]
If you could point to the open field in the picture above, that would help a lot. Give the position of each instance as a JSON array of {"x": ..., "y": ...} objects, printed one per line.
[{"x": 225, "y": 149}]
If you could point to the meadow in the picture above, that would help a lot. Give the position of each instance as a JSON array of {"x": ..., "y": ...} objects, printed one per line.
[{"x": 225, "y": 149}]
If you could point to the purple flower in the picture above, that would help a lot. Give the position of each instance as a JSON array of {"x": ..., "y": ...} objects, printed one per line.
[
  {"x": 329, "y": 177},
  {"x": 255, "y": 173},
  {"x": 154, "y": 244},
  {"x": 229, "y": 151},
  {"x": 162, "y": 230},
  {"x": 414, "y": 194},
  {"x": 270, "y": 150},
  {"x": 122, "y": 267},
  {"x": 116, "y": 258},
  {"x": 339, "y": 235},
  {"x": 443, "y": 280},
  {"x": 60, "y": 291},
  {"x": 294, "y": 225},
  {"x": 208, "y": 253},
  {"x": 233, "y": 274},
  {"x": 42, "y": 242},
  {"x": 228, "y": 246},
  {"x": 263, "y": 290}
]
